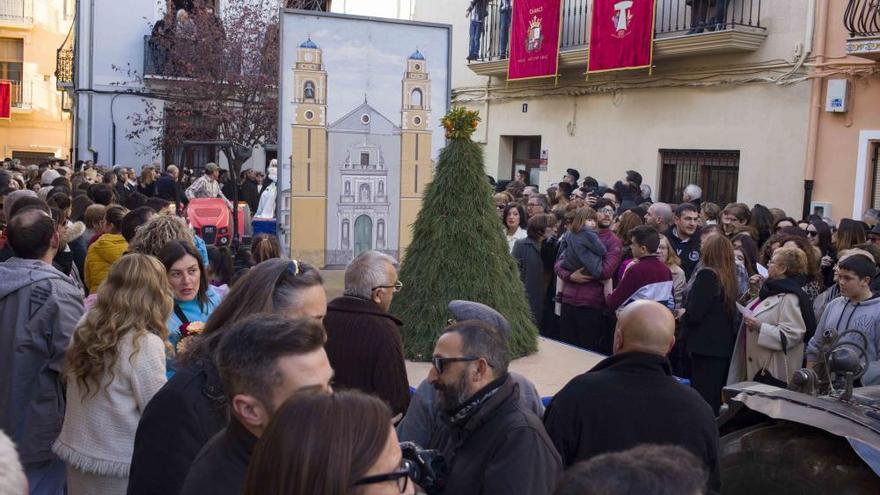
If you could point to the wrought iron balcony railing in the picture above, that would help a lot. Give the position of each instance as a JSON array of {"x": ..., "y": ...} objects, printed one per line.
[
  {"x": 64, "y": 67},
  {"x": 672, "y": 18},
  {"x": 17, "y": 10},
  {"x": 22, "y": 94},
  {"x": 862, "y": 18}
]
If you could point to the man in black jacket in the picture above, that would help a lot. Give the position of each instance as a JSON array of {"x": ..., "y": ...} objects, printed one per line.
[
  {"x": 632, "y": 398},
  {"x": 168, "y": 186},
  {"x": 263, "y": 360},
  {"x": 491, "y": 442},
  {"x": 249, "y": 191},
  {"x": 684, "y": 238}
]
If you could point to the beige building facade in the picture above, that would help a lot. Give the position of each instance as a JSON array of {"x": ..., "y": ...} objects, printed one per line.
[
  {"x": 843, "y": 160},
  {"x": 31, "y": 34},
  {"x": 728, "y": 109}
]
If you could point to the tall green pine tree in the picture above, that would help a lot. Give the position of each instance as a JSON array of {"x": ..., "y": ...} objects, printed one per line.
[{"x": 459, "y": 250}]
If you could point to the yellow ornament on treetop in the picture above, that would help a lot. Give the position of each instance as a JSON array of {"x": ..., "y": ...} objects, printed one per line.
[{"x": 460, "y": 123}]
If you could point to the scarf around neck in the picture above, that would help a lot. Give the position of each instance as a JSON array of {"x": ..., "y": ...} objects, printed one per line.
[{"x": 793, "y": 285}]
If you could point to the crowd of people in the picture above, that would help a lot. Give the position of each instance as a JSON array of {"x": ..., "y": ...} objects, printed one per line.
[
  {"x": 747, "y": 286},
  {"x": 172, "y": 367}
]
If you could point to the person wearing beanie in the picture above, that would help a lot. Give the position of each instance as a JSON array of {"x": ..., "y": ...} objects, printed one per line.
[{"x": 422, "y": 417}]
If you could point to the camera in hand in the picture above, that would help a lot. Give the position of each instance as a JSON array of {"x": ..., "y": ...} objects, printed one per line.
[{"x": 428, "y": 467}]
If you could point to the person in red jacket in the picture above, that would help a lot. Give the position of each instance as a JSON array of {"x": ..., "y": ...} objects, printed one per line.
[{"x": 647, "y": 277}]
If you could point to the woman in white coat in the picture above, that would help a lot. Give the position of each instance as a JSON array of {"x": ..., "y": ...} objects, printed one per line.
[
  {"x": 115, "y": 364},
  {"x": 770, "y": 344}
]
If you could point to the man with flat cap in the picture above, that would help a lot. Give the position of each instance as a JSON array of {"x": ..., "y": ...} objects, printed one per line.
[
  {"x": 422, "y": 416},
  {"x": 631, "y": 398}
]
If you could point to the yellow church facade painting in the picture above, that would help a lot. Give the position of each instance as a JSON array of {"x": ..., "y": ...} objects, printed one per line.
[{"x": 357, "y": 170}]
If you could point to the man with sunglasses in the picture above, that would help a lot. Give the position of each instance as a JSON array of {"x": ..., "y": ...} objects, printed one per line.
[
  {"x": 423, "y": 416},
  {"x": 492, "y": 444},
  {"x": 363, "y": 338}
]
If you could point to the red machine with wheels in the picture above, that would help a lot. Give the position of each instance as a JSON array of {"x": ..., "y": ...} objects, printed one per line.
[{"x": 212, "y": 220}]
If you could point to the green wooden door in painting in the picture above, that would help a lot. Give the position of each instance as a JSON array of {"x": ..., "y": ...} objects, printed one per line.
[{"x": 363, "y": 234}]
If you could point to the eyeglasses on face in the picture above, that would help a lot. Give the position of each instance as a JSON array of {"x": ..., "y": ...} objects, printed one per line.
[
  {"x": 397, "y": 287},
  {"x": 812, "y": 233},
  {"x": 400, "y": 476},
  {"x": 440, "y": 362},
  {"x": 607, "y": 210}
]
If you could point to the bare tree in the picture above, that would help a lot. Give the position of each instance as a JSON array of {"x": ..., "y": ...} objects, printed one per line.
[{"x": 217, "y": 77}]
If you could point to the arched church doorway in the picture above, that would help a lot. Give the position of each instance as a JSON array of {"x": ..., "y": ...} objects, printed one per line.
[{"x": 363, "y": 234}]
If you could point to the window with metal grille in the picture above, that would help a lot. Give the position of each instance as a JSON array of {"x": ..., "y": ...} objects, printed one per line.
[
  {"x": 716, "y": 172},
  {"x": 32, "y": 157},
  {"x": 875, "y": 179}
]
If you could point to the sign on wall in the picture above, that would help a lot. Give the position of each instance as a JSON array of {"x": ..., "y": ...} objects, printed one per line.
[
  {"x": 534, "y": 39},
  {"x": 622, "y": 35}
]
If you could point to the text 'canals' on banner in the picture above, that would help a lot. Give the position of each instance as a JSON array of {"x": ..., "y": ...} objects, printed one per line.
[
  {"x": 622, "y": 35},
  {"x": 5, "y": 100},
  {"x": 534, "y": 39}
]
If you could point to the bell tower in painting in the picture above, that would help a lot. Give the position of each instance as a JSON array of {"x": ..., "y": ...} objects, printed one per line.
[
  {"x": 309, "y": 157},
  {"x": 416, "y": 169}
]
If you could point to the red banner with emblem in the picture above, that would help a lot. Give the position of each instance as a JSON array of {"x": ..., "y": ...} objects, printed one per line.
[
  {"x": 622, "y": 35},
  {"x": 534, "y": 39},
  {"x": 5, "y": 100}
]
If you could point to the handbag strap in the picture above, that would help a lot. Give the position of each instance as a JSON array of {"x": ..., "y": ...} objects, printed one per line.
[{"x": 180, "y": 314}]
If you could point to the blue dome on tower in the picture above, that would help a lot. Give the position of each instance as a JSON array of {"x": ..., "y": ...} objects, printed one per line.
[
  {"x": 308, "y": 44},
  {"x": 417, "y": 55}
]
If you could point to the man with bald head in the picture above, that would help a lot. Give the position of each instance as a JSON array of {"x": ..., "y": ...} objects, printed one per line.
[{"x": 631, "y": 398}]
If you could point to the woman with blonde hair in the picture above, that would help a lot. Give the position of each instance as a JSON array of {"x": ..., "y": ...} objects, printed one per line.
[
  {"x": 147, "y": 184},
  {"x": 770, "y": 345},
  {"x": 673, "y": 262},
  {"x": 115, "y": 364}
]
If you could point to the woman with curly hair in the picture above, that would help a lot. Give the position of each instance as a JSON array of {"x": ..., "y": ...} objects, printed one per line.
[
  {"x": 115, "y": 364},
  {"x": 152, "y": 236}
]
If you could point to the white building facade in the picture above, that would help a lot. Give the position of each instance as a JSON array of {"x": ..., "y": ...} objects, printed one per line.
[{"x": 113, "y": 44}]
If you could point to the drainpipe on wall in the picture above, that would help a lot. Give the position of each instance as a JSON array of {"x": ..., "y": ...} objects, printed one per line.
[{"x": 815, "y": 104}]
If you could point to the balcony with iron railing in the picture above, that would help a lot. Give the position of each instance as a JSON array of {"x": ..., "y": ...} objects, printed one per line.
[
  {"x": 161, "y": 63},
  {"x": 16, "y": 13},
  {"x": 862, "y": 20},
  {"x": 22, "y": 95},
  {"x": 736, "y": 28},
  {"x": 64, "y": 68}
]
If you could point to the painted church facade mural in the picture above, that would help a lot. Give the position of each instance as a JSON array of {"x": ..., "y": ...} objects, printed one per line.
[{"x": 358, "y": 172}]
